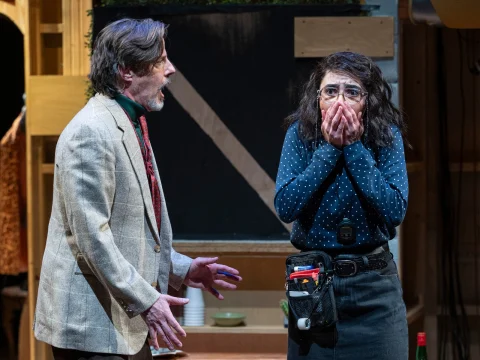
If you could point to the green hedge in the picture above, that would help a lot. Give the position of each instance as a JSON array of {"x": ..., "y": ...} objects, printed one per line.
[{"x": 224, "y": 2}]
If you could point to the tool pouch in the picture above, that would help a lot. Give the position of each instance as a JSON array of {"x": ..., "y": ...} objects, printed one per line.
[{"x": 319, "y": 304}]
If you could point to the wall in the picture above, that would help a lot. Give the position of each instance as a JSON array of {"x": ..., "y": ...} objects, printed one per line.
[{"x": 423, "y": 103}]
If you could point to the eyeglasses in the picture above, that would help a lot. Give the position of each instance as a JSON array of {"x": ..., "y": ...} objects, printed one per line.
[{"x": 351, "y": 93}]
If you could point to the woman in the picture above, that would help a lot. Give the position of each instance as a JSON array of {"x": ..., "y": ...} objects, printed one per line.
[{"x": 342, "y": 180}]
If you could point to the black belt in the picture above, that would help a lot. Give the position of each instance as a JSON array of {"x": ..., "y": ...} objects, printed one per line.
[{"x": 350, "y": 267}]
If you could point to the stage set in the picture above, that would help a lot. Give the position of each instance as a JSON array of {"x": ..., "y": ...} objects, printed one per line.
[{"x": 239, "y": 70}]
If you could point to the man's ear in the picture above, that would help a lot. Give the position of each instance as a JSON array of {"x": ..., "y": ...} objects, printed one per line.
[{"x": 126, "y": 74}]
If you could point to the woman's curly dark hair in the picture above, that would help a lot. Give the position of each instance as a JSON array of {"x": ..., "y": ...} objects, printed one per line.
[{"x": 379, "y": 113}]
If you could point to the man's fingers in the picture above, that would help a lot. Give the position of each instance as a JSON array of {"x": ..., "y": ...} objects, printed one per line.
[
  {"x": 164, "y": 338},
  {"x": 206, "y": 261},
  {"x": 173, "y": 323},
  {"x": 215, "y": 293},
  {"x": 225, "y": 284},
  {"x": 228, "y": 270},
  {"x": 169, "y": 334},
  {"x": 175, "y": 300},
  {"x": 153, "y": 337}
]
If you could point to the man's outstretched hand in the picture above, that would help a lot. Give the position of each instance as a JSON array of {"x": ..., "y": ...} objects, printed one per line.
[
  {"x": 204, "y": 273},
  {"x": 161, "y": 322}
]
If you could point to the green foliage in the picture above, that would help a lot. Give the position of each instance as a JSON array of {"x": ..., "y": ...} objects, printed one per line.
[
  {"x": 225, "y": 2},
  {"x": 284, "y": 306}
]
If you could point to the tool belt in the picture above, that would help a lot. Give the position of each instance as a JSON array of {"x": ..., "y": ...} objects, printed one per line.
[
  {"x": 309, "y": 287},
  {"x": 311, "y": 299}
]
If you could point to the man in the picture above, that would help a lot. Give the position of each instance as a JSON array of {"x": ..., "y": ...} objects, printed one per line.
[{"x": 108, "y": 259}]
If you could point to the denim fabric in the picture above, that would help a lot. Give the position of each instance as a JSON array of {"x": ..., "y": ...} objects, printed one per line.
[{"x": 372, "y": 321}]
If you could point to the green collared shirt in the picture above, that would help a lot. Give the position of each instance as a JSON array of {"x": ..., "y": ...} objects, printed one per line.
[{"x": 134, "y": 110}]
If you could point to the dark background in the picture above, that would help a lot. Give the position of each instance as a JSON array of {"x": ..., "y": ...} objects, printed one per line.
[
  {"x": 13, "y": 76},
  {"x": 240, "y": 59}
]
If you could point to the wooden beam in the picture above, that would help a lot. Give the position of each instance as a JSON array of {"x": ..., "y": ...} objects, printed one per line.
[
  {"x": 76, "y": 59},
  {"x": 322, "y": 36},
  {"x": 234, "y": 247},
  {"x": 15, "y": 12}
]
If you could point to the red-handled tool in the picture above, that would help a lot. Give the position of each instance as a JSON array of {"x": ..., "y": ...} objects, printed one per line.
[{"x": 305, "y": 274}]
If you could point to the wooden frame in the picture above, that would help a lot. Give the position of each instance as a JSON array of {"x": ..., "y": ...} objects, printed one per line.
[{"x": 321, "y": 36}]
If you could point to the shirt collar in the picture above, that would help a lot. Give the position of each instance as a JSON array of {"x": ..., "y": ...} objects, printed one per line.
[{"x": 133, "y": 109}]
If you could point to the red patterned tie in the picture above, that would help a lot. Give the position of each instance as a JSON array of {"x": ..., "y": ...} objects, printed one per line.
[{"x": 152, "y": 180}]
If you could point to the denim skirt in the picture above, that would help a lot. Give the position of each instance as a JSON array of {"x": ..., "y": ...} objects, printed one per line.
[{"x": 372, "y": 321}]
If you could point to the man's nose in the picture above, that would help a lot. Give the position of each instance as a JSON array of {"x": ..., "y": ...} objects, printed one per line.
[{"x": 170, "y": 69}]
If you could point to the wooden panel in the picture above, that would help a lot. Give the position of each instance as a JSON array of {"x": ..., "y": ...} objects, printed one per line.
[
  {"x": 251, "y": 266},
  {"x": 35, "y": 42},
  {"x": 321, "y": 36},
  {"x": 51, "y": 28},
  {"x": 51, "y": 54},
  {"x": 76, "y": 24},
  {"x": 235, "y": 343},
  {"x": 403, "y": 10},
  {"x": 51, "y": 11},
  {"x": 53, "y": 101},
  {"x": 209, "y": 329}
]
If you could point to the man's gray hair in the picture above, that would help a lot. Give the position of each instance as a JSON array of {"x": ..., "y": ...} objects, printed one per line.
[{"x": 129, "y": 44}]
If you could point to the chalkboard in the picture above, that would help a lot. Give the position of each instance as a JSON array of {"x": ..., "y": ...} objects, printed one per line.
[{"x": 240, "y": 59}]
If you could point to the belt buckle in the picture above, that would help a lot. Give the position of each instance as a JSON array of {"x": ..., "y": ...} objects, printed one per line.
[{"x": 340, "y": 265}]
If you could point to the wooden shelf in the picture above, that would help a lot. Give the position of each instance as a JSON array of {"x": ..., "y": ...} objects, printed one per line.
[
  {"x": 233, "y": 356},
  {"x": 234, "y": 247},
  {"x": 51, "y": 28},
  {"x": 249, "y": 329},
  {"x": 466, "y": 167}
]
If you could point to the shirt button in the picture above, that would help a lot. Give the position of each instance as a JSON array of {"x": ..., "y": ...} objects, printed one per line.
[
  {"x": 156, "y": 248},
  {"x": 154, "y": 284}
]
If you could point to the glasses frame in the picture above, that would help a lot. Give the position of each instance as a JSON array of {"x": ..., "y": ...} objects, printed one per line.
[{"x": 362, "y": 95}]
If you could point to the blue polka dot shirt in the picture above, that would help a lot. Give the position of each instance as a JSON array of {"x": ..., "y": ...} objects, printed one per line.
[{"x": 318, "y": 188}]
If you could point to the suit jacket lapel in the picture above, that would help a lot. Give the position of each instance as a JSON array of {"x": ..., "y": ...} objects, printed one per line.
[
  {"x": 132, "y": 146},
  {"x": 166, "y": 230}
]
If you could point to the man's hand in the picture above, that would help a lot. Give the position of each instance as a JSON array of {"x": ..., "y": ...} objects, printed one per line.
[
  {"x": 160, "y": 321},
  {"x": 353, "y": 129},
  {"x": 333, "y": 126},
  {"x": 204, "y": 273}
]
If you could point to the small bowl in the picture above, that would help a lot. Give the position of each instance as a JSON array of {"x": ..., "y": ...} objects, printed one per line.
[{"x": 228, "y": 319}]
